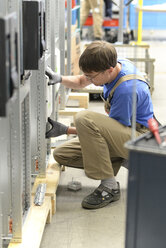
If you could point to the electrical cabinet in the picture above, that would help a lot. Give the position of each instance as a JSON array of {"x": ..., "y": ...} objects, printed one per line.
[{"x": 32, "y": 37}]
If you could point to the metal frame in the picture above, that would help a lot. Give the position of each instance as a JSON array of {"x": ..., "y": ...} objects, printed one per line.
[
  {"x": 5, "y": 184},
  {"x": 52, "y": 27},
  {"x": 38, "y": 119},
  {"x": 19, "y": 119},
  {"x": 1, "y": 219},
  {"x": 120, "y": 29},
  {"x": 22, "y": 131},
  {"x": 62, "y": 50},
  {"x": 41, "y": 116},
  {"x": 12, "y": 167},
  {"x": 139, "y": 54},
  {"x": 64, "y": 92},
  {"x": 57, "y": 60},
  {"x": 148, "y": 65},
  {"x": 20, "y": 165}
]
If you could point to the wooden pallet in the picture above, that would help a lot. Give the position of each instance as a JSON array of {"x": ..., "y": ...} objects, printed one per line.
[
  {"x": 34, "y": 225},
  {"x": 51, "y": 180},
  {"x": 70, "y": 111},
  {"x": 82, "y": 98},
  {"x": 38, "y": 216}
]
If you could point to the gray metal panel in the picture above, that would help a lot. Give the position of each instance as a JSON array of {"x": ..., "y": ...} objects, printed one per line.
[
  {"x": 57, "y": 59},
  {"x": 51, "y": 24},
  {"x": 26, "y": 150},
  {"x": 41, "y": 116},
  {"x": 50, "y": 30},
  {"x": 19, "y": 144},
  {"x": 62, "y": 51},
  {"x": 48, "y": 25},
  {"x": 10, "y": 133},
  {"x": 0, "y": 218},
  {"x": 38, "y": 121},
  {"x": 5, "y": 185},
  {"x": 20, "y": 154},
  {"x": 64, "y": 93},
  {"x": 34, "y": 132},
  {"x": 50, "y": 104},
  {"x": 38, "y": 94},
  {"x": 19, "y": 138},
  {"x": 3, "y": 7},
  {"x": 57, "y": 17},
  {"x": 53, "y": 21},
  {"x": 16, "y": 168},
  {"x": 10, "y": 158},
  {"x": 146, "y": 214},
  {"x": 146, "y": 204}
]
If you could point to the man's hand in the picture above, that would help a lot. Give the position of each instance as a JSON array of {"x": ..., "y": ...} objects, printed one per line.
[
  {"x": 56, "y": 130},
  {"x": 54, "y": 77}
]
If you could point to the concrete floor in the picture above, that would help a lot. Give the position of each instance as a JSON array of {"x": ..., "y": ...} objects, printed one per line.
[{"x": 74, "y": 227}]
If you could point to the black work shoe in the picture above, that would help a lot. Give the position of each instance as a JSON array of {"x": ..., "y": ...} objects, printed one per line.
[{"x": 101, "y": 197}]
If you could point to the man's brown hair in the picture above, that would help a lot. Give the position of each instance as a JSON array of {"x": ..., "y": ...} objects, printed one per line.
[{"x": 98, "y": 56}]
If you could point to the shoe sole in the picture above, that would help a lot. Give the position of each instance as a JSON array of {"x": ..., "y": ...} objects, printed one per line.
[{"x": 105, "y": 203}]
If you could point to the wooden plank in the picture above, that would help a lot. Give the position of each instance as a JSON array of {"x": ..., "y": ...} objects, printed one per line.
[
  {"x": 38, "y": 216},
  {"x": 34, "y": 225},
  {"x": 83, "y": 98},
  {"x": 70, "y": 111},
  {"x": 51, "y": 180}
]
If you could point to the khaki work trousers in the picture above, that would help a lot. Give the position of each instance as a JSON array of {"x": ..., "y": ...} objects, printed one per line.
[
  {"x": 97, "y": 13},
  {"x": 99, "y": 148}
]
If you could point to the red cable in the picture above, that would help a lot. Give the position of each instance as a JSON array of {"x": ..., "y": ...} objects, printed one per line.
[{"x": 153, "y": 126}]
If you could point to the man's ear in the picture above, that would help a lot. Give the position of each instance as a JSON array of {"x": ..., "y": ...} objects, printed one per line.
[{"x": 110, "y": 69}]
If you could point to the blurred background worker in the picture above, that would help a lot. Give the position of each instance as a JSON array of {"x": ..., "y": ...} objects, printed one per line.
[
  {"x": 108, "y": 8},
  {"x": 108, "y": 14},
  {"x": 97, "y": 12}
]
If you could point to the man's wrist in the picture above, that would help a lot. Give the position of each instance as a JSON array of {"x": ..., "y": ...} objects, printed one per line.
[{"x": 61, "y": 79}]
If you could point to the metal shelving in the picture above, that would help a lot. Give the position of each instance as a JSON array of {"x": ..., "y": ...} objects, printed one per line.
[{"x": 64, "y": 92}]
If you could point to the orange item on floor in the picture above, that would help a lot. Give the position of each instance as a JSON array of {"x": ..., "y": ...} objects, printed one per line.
[{"x": 106, "y": 22}]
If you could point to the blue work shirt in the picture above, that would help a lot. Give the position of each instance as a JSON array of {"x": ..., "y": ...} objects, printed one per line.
[{"x": 121, "y": 102}]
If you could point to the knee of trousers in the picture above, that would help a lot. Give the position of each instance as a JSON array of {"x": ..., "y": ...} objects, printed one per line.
[
  {"x": 82, "y": 117},
  {"x": 57, "y": 155}
]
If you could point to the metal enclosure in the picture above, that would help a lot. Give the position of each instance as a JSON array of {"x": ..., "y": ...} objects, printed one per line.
[
  {"x": 28, "y": 46},
  {"x": 146, "y": 203}
]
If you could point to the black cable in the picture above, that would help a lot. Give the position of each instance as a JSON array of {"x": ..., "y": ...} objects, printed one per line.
[
  {"x": 128, "y": 2},
  {"x": 115, "y": 3},
  {"x": 125, "y": 4}
]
